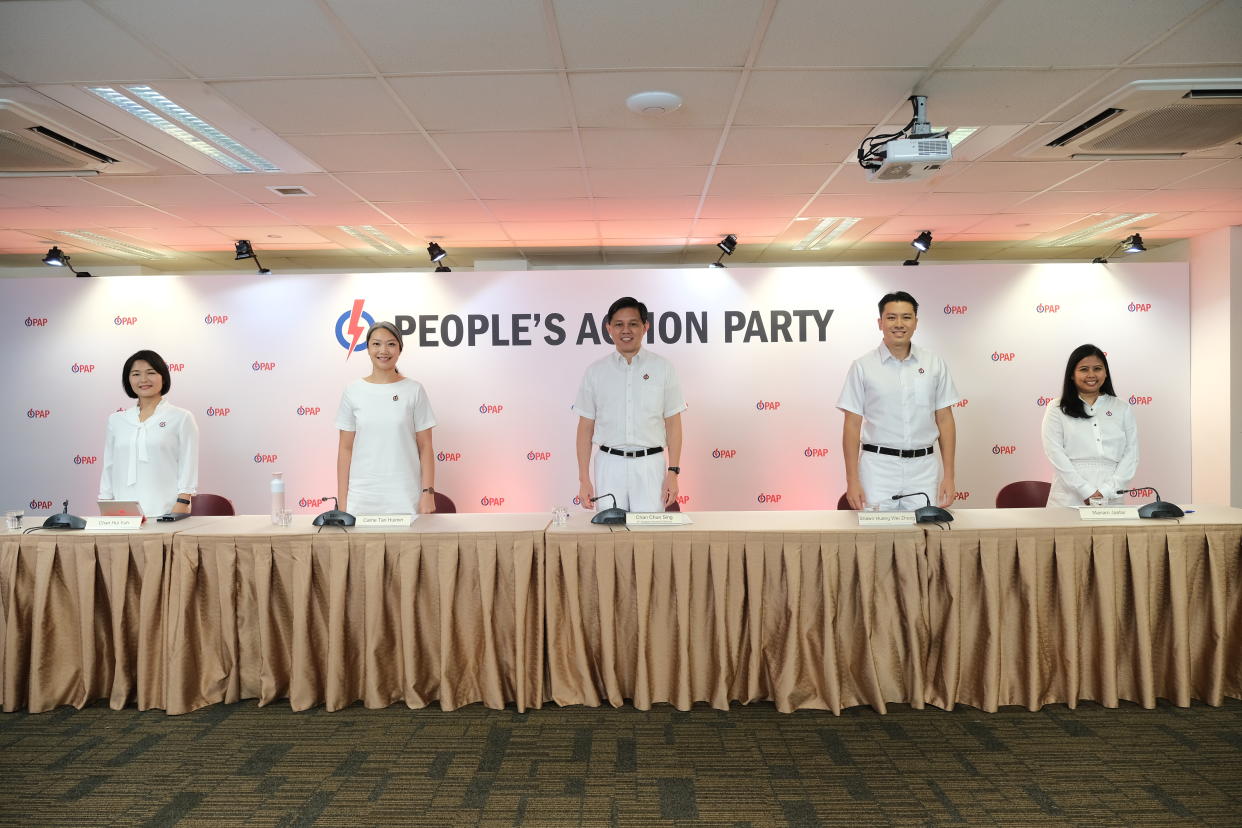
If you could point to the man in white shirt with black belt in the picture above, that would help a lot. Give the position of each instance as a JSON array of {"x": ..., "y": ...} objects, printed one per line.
[
  {"x": 897, "y": 402},
  {"x": 629, "y": 419}
]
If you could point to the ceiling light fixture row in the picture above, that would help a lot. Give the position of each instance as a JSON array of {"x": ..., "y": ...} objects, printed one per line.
[
  {"x": 437, "y": 253},
  {"x": 1131, "y": 244},
  {"x": 921, "y": 243},
  {"x": 59, "y": 258},
  {"x": 244, "y": 250},
  {"x": 727, "y": 245}
]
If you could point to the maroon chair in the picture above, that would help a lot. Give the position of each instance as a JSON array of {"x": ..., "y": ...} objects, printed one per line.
[
  {"x": 673, "y": 507},
  {"x": 445, "y": 505},
  {"x": 1025, "y": 494},
  {"x": 844, "y": 503},
  {"x": 211, "y": 504}
]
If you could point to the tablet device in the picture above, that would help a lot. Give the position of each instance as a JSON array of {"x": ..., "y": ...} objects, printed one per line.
[{"x": 119, "y": 508}]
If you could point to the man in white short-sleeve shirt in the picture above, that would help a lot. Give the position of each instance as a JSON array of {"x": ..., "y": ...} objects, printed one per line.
[
  {"x": 897, "y": 402},
  {"x": 629, "y": 419}
]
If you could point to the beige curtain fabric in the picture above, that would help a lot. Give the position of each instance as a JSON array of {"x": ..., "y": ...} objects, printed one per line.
[
  {"x": 379, "y": 618},
  {"x": 82, "y": 618},
  {"x": 806, "y": 619}
]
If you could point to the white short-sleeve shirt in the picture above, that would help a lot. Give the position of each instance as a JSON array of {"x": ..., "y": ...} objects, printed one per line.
[
  {"x": 629, "y": 400},
  {"x": 1099, "y": 453},
  {"x": 898, "y": 399},
  {"x": 150, "y": 461},
  {"x": 384, "y": 471}
]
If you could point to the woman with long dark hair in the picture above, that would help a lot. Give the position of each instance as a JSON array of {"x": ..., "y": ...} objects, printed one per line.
[{"x": 1089, "y": 434}]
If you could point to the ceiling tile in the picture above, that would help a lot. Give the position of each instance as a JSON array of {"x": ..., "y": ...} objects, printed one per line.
[
  {"x": 608, "y": 209},
  {"x": 317, "y": 105},
  {"x": 639, "y": 229},
  {"x": 1027, "y": 222},
  {"x": 781, "y": 206},
  {"x": 1213, "y": 37},
  {"x": 939, "y": 224},
  {"x": 450, "y": 233},
  {"x": 408, "y": 152},
  {"x": 314, "y": 211},
  {"x": 1063, "y": 201},
  {"x": 1006, "y": 176},
  {"x": 453, "y": 211},
  {"x": 674, "y": 181},
  {"x": 527, "y": 231},
  {"x": 465, "y": 35},
  {"x": 1200, "y": 220},
  {"x": 160, "y": 191},
  {"x": 747, "y": 230},
  {"x": 488, "y": 102},
  {"x": 207, "y": 37},
  {"x": 274, "y": 237},
  {"x": 851, "y": 178},
  {"x": 412, "y": 186},
  {"x": 860, "y": 204},
  {"x": 1227, "y": 176},
  {"x": 510, "y": 150},
  {"x": 791, "y": 145},
  {"x": 648, "y": 147},
  {"x": 772, "y": 179},
  {"x": 1138, "y": 175},
  {"x": 255, "y": 186},
  {"x": 963, "y": 97},
  {"x": 815, "y": 33},
  {"x": 68, "y": 218},
  {"x": 60, "y": 192},
  {"x": 599, "y": 97},
  {"x": 963, "y": 203},
  {"x": 689, "y": 32},
  {"x": 66, "y": 42},
  {"x": 225, "y": 215},
  {"x": 200, "y": 237},
  {"x": 823, "y": 98},
  {"x": 563, "y": 209},
  {"x": 528, "y": 184},
  {"x": 1174, "y": 201}
]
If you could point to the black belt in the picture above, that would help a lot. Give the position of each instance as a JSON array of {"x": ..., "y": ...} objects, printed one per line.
[
  {"x": 906, "y": 453},
  {"x": 634, "y": 453}
]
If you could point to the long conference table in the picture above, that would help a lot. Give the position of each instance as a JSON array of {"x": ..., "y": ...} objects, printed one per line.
[{"x": 807, "y": 610}]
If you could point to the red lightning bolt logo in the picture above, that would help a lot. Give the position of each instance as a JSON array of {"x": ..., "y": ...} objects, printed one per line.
[{"x": 354, "y": 328}]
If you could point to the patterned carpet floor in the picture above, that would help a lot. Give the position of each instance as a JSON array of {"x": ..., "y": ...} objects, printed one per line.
[{"x": 240, "y": 764}]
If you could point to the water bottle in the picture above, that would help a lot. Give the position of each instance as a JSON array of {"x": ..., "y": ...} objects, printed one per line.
[{"x": 278, "y": 495}]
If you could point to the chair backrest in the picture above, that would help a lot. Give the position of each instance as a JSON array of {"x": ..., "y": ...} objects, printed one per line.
[
  {"x": 211, "y": 504},
  {"x": 1024, "y": 494},
  {"x": 445, "y": 505},
  {"x": 673, "y": 507},
  {"x": 843, "y": 503}
]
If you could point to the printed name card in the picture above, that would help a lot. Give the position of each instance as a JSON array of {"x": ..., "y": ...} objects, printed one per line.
[
  {"x": 886, "y": 518},
  {"x": 1108, "y": 512},
  {"x": 383, "y": 521},
  {"x": 657, "y": 519},
  {"x": 114, "y": 523}
]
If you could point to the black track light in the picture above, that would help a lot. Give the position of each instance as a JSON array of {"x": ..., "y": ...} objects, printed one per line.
[
  {"x": 59, "y": 258},
  {"x": 727, "y": 245},
  {"x": 435, "y": 252},
  {"x": 244, "y": 250},
  {"x": 922, "y": 242},
  {"x": 1131, "y": 244}
]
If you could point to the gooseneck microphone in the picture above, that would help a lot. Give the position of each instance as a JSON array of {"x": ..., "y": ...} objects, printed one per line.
[
  {"x": 611, "y": 515},
  {"x": 334, "y": 516},
  {"x": 1157, "y": 508},
  {"x": 928, "y": 513}
]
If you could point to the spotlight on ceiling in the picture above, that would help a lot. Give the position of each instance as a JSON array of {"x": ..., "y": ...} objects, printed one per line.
[
  {"x": 1131, "y": 244},
  {"x": 921, "y": 243},
  {"x": 436, "y": 252},
  {"x": 58, "y": 258},
  {"x": 243, "y": 250},
  {"x": 727, "y": 245}
]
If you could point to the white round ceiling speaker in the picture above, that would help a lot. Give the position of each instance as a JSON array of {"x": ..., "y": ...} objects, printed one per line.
[{"x": 653, "y": 103}]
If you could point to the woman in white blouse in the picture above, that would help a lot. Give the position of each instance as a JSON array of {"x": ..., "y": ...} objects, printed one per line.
[
  {"x": 1089, "y": 434},
  {"x": 385, "y": 463},
  {"x": 150, "y": 450}
]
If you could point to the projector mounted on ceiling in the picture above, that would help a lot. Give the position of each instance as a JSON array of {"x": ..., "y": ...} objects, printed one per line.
[{"x": 913, "y": 152}]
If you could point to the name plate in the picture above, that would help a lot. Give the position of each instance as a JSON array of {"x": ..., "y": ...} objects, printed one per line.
[
  {"x": 886, "y": 518},
  {"x": 382, "y": 521},
  {"x": 1108, "y": 512},
  {"x": 114, "y": 523},
  {"x": 657, "y": 519}
]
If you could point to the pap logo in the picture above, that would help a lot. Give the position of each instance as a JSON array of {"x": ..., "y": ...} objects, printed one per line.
[
  {"x": 38, "y": 413},
  {"x": 1042, "y": 401},
  {"x": 310, "y": 502},
  {"x": 125, "y": 320},
  {"x": 1142, "y": 493},
  {"x": 961, "y": 495},
  {"x": 1139, "y": 307},
  {"x": 84, "y": 460},
  {"x": 262, "y": 366},
  {"x": 815, "y": 452},
  {"x": 961, "y": 403},
  {"x": 308, "y": 411},
  {"x": 355, "y": 329},
  {"x": 491, "y": 501},
  {"x": 682, "y": 500},
  {"x": 1001, "y": 356},
  {"x": 449, "y": 456},
  {"x": 214, "y": 319},
  {"x": 266, "y": 458},
  {"x": 215, "y": 411},
  {"x": 79, "y": 368},
  {"x": 1004, "y": 449},
  {"x": 1139, "y": 400},
  {"x": 1041, "y": 308},
  {"x": 954, "y": 310},
  {"x": 767, "y": 405},
  {"x": 36, "y": 321},
  {"x": 176, "y": 367},
  {"x": 539, "y": 455},
  {"x": 724, "y": 454},
  {"x": 39, "y": 505},
  {"x": 491, "y": 409},
  {"x": 577, "y": 500},
  {"x": 768, "y": 498}
]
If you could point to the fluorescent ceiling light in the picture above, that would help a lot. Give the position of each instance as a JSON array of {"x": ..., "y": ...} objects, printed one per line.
[
  {"x": 827, "y": 231},
  {"x": 112, "y": 244},
  {"x": 1078, "y": 237},
  {"x": 376, "y": 239},
  {"x": 960, "y": 134},
  {"x": 205, "y": 138}
]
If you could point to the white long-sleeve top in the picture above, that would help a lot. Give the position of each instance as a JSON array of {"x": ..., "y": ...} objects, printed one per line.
[
  {"x": 150, "y": 461},
  {"x": 1100, "y": 453}
]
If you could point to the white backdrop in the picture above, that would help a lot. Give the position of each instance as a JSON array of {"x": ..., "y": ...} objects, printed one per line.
[{"x": 259, "y": 363}]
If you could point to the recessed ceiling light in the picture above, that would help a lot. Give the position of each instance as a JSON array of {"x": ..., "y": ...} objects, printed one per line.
[
  {"x": 376, "y": 239},
  {"x": 826, "y": 232},
  {"x": 112, "y": 244},
  {"x": 1087, "y": 233}
]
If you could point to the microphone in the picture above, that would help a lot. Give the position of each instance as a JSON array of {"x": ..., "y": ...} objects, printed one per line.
[
  {"x": 1157, "y": 508},
  {"x": 334, "y": 516},
  {"x": 611, "y": 515},
  {"x": 64, "y": 520},
  {"x": 928, "y": 513}
]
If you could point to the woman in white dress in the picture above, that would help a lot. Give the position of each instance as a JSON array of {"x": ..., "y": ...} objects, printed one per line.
[
  {"x": 151, "y": 450},
  {"x": 1089, "y": 434},
  {"x": 385, "y": 464}
]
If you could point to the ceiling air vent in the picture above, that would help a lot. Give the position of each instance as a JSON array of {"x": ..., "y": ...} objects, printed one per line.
[
  {"x": 1152, "y": 119},
  {"x": 29, "y": 147}
]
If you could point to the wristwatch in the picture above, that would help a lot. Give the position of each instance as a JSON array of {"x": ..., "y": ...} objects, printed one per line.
[
  {"x": 183, "y": 500},
  {"x": 675, "y": 469}
]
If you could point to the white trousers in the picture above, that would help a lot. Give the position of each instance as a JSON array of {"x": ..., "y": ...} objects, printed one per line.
[
  {"x": 883, "y": 476},
  {"x": 637, "y": 482}
]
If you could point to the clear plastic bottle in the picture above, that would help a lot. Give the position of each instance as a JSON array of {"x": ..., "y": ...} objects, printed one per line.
[{"x": 278, "y": 495}]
